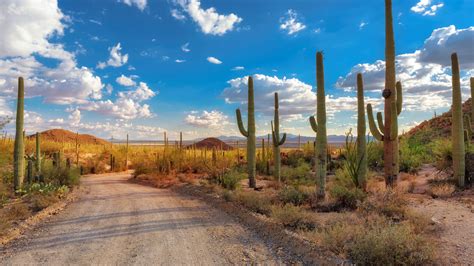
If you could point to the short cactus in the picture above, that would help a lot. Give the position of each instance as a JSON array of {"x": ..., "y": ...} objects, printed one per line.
[
  {"x": 19, "y": 149},
  {"x": 250, "y": 134},
  {"x": 277, "y": 142},
  {"x": 457, "y": 129},
  {"x": 320, "y": 128}
]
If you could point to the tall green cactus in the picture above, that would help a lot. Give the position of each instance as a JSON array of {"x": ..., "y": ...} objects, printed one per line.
[
  {"x": 320, "y": 128},
  {"x": 387, "y": 130},
  {"x": 457, "y": 129},
  {"x": 38, "y": 155},
  {"x": 19, "y": 150},
  {"x": 472, "y": 100},
  {"x": 250, "y": 134},
  {"x": 361, "y": 132},
  {"x": 277, "y": 142}
]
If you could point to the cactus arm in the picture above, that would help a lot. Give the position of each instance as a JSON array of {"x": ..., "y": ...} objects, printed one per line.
[
  {"x": 312, "y": 122},
  {"x": 283, "y": 139},
  {"x": 275, "y": 142},
  {"x": 242, "y": 130},
  {"x": 399, "y": 97},
  {"x": 394, "y": 128},
  {"x": 380, "y": 122},
  {"x": 467, "y": 126},
  {"x": 373, "y": 128}
]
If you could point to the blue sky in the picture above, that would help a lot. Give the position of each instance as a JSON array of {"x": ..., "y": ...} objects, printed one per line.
[{"x": 143, "y": 67}]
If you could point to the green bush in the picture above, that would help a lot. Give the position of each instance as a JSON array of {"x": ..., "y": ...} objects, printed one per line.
[
  {"x": 254, "y": 202},
  {"x": 298, "y": 175},
  {"x": 61, "y": 176},
  {"x": 292, "y": 217},
  {"x": 344, "y": 191},
  {"x": 390, "y": 245},
  {"x": 291, "y": 195},
  {"x": 390, "y": 203},
  {"x": 375, "y": 155},
  {"x": 443, "y": 154},
  {"x": 231, "y": 179},
  {"x": 412, "y": 156}
]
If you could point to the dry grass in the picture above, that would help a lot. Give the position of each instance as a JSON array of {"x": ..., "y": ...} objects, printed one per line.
[
  {"x": 12, "y": 213},
  {"x": 441, "y": 190}
]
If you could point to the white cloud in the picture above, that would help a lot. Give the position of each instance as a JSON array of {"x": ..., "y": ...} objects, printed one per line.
[
  {"x": 127, "y": 106},
  {"x": 185, "y": 48},
  {"x": 140, "y": 4},
  {"x": 5, "y": 110},
  {"x": 362, "y": 25},
  {"x": 116, "y": 58},
  {"x": 179, "y": 61},
  {"x": 427, "y": 8},
  {"x": 290, "y": 23},
  {"x": 75, "y": 117},
  {"x": 237, "y": 68},
  {"x": 214, "y": 60},
  {"x": 125, "y": 81},
  {"x": 177, "y": 14},
  {"x": 207, "y": 119},
  {"x": 425, "y": 74},
  {"x": 95, "y": 22},
  {"x": 208, "y": 20}
]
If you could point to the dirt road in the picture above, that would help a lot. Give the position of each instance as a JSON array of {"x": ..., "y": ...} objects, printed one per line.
[{"x": 116, "y": 222}]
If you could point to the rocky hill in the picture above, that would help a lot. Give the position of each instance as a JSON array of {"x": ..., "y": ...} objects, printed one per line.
[{"x": 62, "y": 135}]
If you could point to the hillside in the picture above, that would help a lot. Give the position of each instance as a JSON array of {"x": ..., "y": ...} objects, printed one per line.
[
  {"x": 210, "y": 143},
  {"x": 62, "y": 135},
  {"x": 436, "y": 127}
]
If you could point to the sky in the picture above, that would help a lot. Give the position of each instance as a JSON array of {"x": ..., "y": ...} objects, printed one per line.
[{"x": 142, "y": 67}]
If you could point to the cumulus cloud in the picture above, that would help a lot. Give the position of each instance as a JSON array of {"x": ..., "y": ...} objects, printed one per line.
[
  {"x": 128, "y": 104},
  {"x": 290, "y": 23},
  {"x": 427, "y": 7},
  {"x": 425, "y": 74},
  {"x": 116, "y": 58},
  {"x": 207, "y": 119},
  {"x": 140, "y": 4},
  {"x": 5, "y": 110},
  {"x": 214, "y": 60},
  {"x": 296, "y": 97},
  {"x": 125, "y": 81},
  {"x": 185, "y": 48},
  {"x": 208, "y": 20}
]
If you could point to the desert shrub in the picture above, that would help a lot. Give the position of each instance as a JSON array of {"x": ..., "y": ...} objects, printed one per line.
[
  {"x": 443, "y": 154},
  {"x": 375, "y": 155},
  {"x": 442, "y": 190},
  {"x": 297, "y": 175},
  {"x": 254, "y": 202},
  {"x": 295, "y": 158},
  {"x": 292, "y": 195},
  {"x": 292, "y": 217},
  {"x": 39, "y": 201},
  {"x": 390, "y": 203},
  {"x": 411, "y": 156},
  {"x": 390, "y": 244},
  {"x": 344, "y": 191},
  {"x": 231, "y": 179},
  {"x": 141, "y": 168},
  {"x": 14, "y": 212},
  {"x": 61, "y": 176}
]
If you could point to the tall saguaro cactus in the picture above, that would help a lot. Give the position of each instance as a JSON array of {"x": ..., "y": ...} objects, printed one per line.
[
  {"x": 19, "y": 149},
  {"x": 126, "y": 155},
  {"x": 457, "y": 129},
  {"x": 393, "y": 105},
  {"x": 38, "y": 154},
  {"x": 249, "y": 134},
  {"x": 277, "y": 142},
  {"x": 320, "y": 127},
  {"x": 361, "y": 131}
]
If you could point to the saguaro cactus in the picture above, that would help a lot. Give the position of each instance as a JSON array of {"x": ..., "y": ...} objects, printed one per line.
[
  {"x": 19, "y": 149},
  {"x": 277, "y": 142},
  {"x": 393, "y": 105},
  {"x": 126, "y": 155},
  {"x": 457, "y": 129},
  {"x": 250, "y": 134},
  {"x": 38, "y": 154},
  {"x": 361, "y": 131},
  {"x": 320, "y": 128}
]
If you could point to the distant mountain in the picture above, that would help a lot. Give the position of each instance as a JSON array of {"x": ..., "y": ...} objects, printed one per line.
[{"x": 62, "y": 135}]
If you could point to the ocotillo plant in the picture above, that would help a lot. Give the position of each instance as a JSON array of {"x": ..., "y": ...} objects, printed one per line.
[
  {"x": 457, "y": 129},
  {"x": 249, "y": 134},
  {"x": 387, "y": 130},
  {"x": 361, "y": 131},
  {"x": 320, "y": 128},
  {"x": 19, "y": 150},
  {"x": 277, "y": 142}
]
